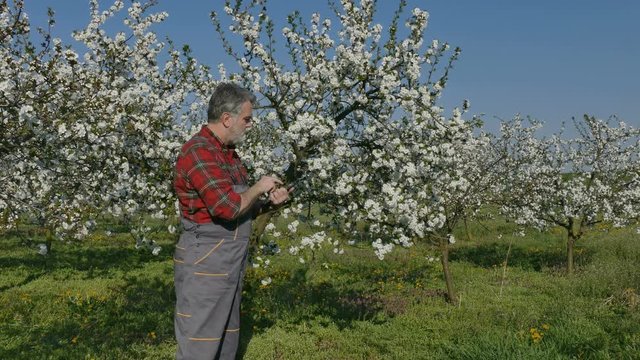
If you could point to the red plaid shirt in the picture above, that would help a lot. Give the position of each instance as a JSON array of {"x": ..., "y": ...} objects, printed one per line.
[{"x": 206, "y": 170}]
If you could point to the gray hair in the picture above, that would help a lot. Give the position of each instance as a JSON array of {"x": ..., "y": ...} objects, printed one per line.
[{"x": 229, "y": 98}]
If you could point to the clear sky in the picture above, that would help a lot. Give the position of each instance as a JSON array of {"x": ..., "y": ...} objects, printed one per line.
[{"x": 550, "y": 59}]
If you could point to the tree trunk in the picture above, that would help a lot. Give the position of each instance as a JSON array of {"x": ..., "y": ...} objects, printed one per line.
[
  {"x": 571, "y": 241},
  {"x": 466, "y": 228},
  {"x": 448, "y": 279},
  {"x": 49, "y": 240},
  {"x": 259, "y": 224}
]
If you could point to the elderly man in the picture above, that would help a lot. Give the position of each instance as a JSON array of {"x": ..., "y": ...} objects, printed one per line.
[{"x": 217, "y": 206}]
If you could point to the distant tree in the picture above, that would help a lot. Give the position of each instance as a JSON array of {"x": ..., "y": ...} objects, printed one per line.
[{"x": 571, "y": 183}]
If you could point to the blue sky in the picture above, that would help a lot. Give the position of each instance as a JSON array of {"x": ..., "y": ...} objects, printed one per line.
[{"x": 550, "y": 59}]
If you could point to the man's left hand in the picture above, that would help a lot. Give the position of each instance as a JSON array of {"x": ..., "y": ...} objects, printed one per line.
[{"x": 279, "y": 195}]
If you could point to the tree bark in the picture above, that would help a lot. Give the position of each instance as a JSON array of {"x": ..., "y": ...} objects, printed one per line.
[
  {"x": 466, "y": 228},
  {"x": 452, "y": 298},
  {"x": 48, "y": 239},
  {"x": 259, "y": 224},
  {"x": 571, "y": 241}
]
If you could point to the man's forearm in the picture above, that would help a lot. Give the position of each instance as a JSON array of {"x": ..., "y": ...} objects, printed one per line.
[
  {"x": 265, "y": 184},
  {"x": 248, "y": 199}
]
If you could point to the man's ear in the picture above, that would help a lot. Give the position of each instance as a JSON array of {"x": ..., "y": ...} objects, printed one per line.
[{"x": 226, "y": 119}]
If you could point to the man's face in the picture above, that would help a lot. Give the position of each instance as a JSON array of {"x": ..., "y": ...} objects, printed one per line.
[{"x": 240, "y": 124}]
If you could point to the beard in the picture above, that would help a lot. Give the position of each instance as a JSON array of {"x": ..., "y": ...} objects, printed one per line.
[{"x": 237, "y": 138}]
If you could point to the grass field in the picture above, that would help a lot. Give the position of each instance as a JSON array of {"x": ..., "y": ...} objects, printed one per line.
[{"x": 102, "y": 299}]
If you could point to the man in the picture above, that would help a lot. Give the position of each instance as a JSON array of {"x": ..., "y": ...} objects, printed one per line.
[{"x": 216, "y": 206}]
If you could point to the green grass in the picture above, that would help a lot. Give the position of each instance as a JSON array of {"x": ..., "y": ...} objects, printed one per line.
[{"x": 103, "y": 299}]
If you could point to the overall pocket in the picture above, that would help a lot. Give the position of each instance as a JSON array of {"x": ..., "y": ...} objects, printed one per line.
[{"x": 209, "y": 259}]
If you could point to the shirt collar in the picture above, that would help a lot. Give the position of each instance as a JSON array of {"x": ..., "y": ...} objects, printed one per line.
[{"x": 215, "y": 139}]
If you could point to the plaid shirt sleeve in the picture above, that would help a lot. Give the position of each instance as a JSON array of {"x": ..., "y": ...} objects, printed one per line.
[{"x": 204, "y": 169}]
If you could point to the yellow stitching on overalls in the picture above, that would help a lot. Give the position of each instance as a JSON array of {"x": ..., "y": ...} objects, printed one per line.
[
  {"x": 178, "y": 261},
  {"x": 181, "y": 248},
  {"x": 183, "y": 315},
  {"x": 235, "y": 235},
  {"x": 233, "y": 330},
  {"x": 204, "y": 339},
  {"x": 210, "y": 251},
  {"x": 209, "y": 274}
]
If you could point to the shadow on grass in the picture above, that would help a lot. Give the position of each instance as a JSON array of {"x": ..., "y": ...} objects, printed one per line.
[
  {"x": 112, "y": 323},
  {"x": 29, "y": 278},
  {"x": 71, "y": 260},
  {"x": 140, "y": 312},
  {"x": 127, "y": 317},
  {"x": 537, "y": 259},
  {"x": 296, "y": 300}
]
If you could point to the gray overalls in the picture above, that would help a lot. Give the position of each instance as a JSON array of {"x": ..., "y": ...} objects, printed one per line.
[{"x": 209, "y": 265}]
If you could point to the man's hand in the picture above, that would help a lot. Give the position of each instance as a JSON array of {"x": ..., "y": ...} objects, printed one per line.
[
  {"x": 280, "y": 195},
  {"x": 267, "y": 184}
]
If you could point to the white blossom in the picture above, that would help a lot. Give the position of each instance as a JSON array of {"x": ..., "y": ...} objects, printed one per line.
[{"x": 42, "y": 249}]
